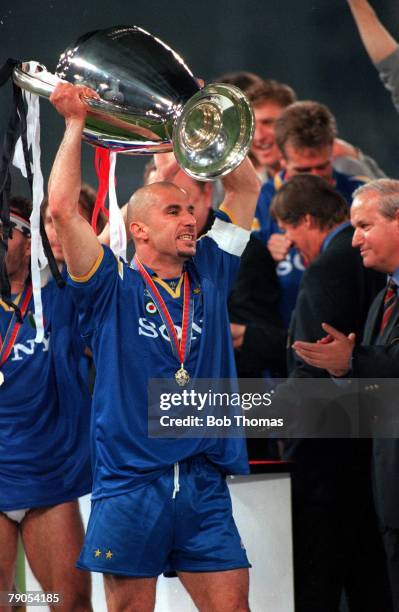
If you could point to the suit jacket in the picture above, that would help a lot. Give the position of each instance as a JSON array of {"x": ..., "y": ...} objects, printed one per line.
[
  {"x": 336, "y": 289},
  {"x": 255, "y": 302},
  {"x": 378, "y": 358}
]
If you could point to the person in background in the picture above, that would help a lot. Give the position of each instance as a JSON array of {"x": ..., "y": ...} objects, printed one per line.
[
  {"x": 268, "y": 98},
  {"x": 44, "y": 430},
  {"x": 337, "y": 545},
  {"x": 375, "y": 218},
  {"x": 243, "y": 79},
  {"x": 305, "y": 134},
  {"x": 382, "y": 48}
]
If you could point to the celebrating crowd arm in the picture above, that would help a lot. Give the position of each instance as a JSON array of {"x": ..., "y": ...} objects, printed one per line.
[{"x": 378, "y": 43}]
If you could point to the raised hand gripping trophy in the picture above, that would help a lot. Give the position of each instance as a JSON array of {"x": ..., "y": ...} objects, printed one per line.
[{"x": 150, "y": 101}]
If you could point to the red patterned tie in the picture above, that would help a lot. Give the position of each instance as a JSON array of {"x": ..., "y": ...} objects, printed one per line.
[{"x": 389, "y": 304}]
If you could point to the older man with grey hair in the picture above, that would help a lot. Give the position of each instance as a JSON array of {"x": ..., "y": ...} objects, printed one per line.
[{"x": 375, "y": 217}]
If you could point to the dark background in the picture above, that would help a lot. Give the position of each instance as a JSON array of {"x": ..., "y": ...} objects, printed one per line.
[{"x": 313, "y": 45}]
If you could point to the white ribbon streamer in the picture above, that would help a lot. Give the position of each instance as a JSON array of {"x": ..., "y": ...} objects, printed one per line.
[
  {"x": 18, "y": 159},
  {"x": 38, "y": 258},
  {"x": 117, "y": 227}
]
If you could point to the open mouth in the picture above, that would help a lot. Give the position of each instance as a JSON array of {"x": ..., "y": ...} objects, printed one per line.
[
  {"x": 186, "y": 237},
  {"x": 262, "y": 146}
]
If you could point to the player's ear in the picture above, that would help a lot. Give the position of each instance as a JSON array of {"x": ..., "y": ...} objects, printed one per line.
[
  {"x": 308, "y": 220},
  {"x": 138, "y": 230}
]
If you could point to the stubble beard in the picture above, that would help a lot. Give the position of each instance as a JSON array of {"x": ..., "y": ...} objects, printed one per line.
[{"x": 186, "y": 254}]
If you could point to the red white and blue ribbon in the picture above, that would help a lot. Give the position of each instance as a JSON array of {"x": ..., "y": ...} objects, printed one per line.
[
  {"x": 10, "y": 337},
  {"x": 180, "y": 349}
]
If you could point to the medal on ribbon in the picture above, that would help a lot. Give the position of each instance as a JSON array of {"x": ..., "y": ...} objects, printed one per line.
[
  {"x": 13, "y": 328},
  {"x": 180, "y": 349}
]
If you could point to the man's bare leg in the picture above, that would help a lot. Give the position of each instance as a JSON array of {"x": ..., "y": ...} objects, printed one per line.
[
  {"x": 218, "y": 591},
  {"x": 52, "y": 539},
  {"x": 8, "y": 555},
  {"x": 126, "y": 594}
]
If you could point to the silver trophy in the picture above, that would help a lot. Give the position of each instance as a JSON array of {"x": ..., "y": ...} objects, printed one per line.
[{"x": 150, "y": 101}]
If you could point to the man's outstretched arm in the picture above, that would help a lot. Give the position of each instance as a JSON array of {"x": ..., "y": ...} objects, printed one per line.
[
  {"x": 377, "y": 41},
  {"x": 241, "y": 189},
  {"x": 79, "y": 243}
]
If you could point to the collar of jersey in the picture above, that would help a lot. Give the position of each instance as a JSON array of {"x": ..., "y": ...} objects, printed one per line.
[
  {"x": 175, "y": 293},
  {"x": 188, "y": 266},
  {"x": 8, "y": 308}
]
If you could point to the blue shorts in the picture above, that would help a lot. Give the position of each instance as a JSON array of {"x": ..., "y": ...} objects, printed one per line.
[{"x": 180, "y": 522}]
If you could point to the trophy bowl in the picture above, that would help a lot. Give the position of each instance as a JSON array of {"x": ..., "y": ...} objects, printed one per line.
[{"x": 149, "y": 101}]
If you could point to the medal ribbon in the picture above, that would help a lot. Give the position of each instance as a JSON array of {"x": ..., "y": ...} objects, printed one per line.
[
  {"x": 178, "y": 348},
  {"x": 5, "y": 349}
]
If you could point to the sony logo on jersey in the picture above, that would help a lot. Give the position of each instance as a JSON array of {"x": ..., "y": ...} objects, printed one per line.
[
  {"x": 19, "y": 350},
  {"x": 150, "y": 329},
  {"x": 290, "y": 263}
]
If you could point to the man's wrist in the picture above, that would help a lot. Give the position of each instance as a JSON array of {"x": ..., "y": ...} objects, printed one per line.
[{"x": 339, "y": 373}]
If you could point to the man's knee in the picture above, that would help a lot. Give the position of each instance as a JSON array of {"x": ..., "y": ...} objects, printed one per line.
[
  {"x": 129, "y": 594},
  {"x": 223, "y": 591},
  {"x": 76, "y": 592}
]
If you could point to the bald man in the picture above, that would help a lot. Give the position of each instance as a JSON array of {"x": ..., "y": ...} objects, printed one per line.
[{"x": 158, "y": 504}]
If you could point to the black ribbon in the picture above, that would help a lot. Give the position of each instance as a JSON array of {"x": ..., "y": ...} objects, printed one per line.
[{"x": 16, "y": 128}]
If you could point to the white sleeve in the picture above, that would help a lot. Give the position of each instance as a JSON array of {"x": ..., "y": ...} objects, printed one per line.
[{"x": 229, "y": 237}]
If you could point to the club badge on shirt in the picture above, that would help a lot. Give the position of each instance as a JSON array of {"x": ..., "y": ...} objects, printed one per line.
[{"x": 151, "y": 308}]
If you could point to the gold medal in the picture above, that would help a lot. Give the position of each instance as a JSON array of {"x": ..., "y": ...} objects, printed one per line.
[{"x": 182, "y": 377}]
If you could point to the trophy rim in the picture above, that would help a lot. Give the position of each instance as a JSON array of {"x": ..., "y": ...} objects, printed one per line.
[{"x": 235, "y": 157}]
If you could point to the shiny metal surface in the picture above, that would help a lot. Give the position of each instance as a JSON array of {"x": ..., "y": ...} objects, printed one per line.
[
  {"x": 150, "y": 101},
  {"x": 214, "y": 131}
]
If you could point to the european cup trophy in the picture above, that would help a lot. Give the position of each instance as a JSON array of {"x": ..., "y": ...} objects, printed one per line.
[{"x": 150, "y": 101}]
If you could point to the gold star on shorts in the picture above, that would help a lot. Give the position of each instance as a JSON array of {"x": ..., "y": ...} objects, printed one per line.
[
  {"x": 109, "y": 554},
  {"x": 97, "y": 553}
]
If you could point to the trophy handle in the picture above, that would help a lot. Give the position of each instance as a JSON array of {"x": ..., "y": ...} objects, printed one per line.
[{"x": 34, "y": 77}]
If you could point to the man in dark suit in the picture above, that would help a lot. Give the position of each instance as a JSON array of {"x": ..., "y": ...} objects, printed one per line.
[
  {"x": 375, "y": 217},
  {"x": 336, "y": 542}
]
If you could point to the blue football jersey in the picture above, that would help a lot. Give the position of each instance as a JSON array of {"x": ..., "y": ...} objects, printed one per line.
[
  {"x": 130, "y": 346},
  {"x": 44, "y": 409}
]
